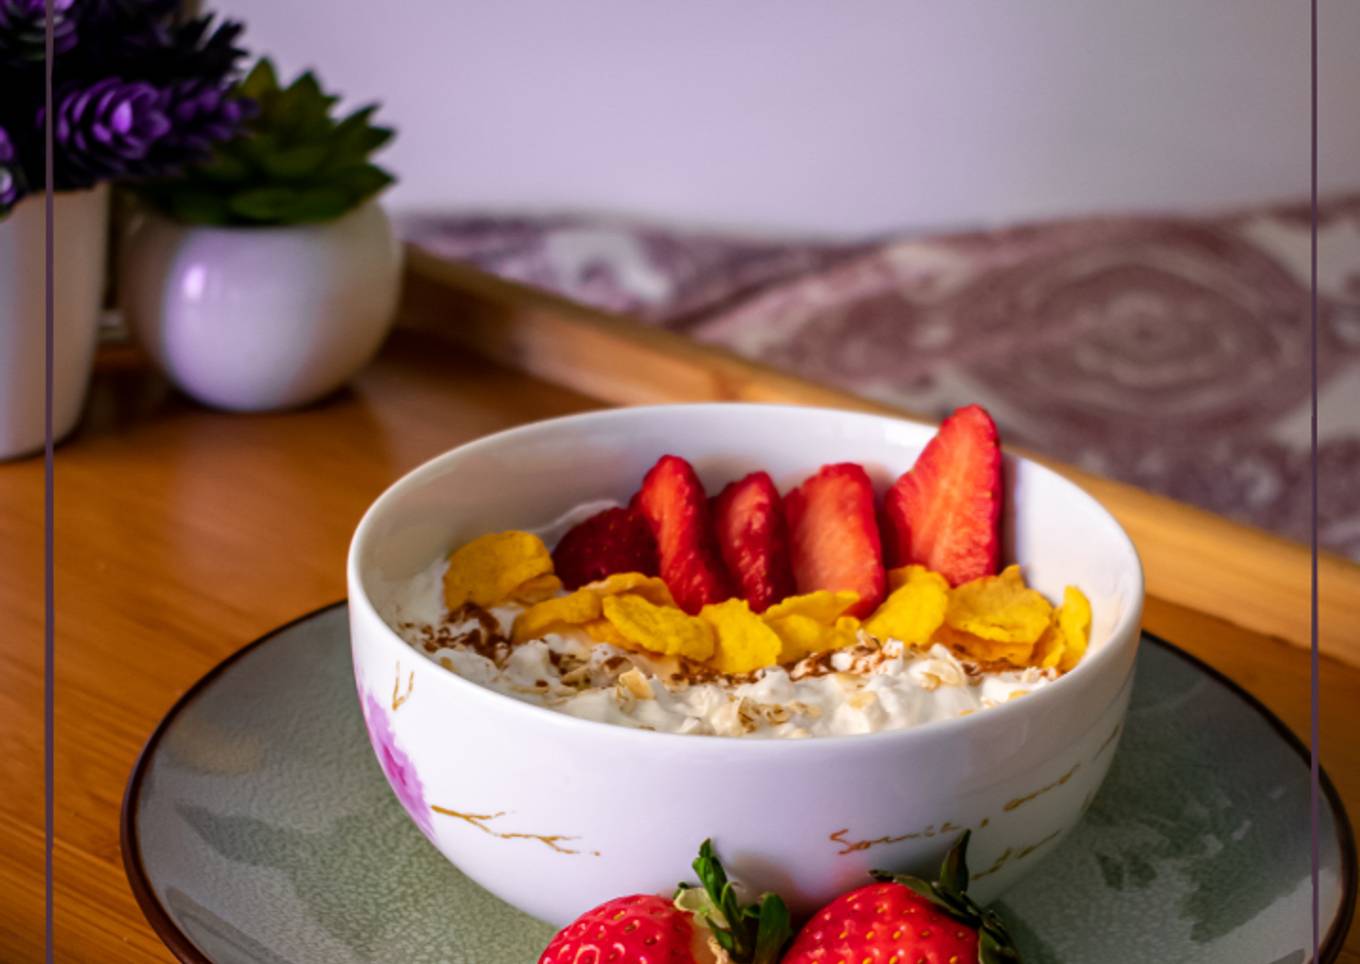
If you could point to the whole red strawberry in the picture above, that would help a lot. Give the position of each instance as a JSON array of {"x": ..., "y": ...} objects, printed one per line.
[
  {"x": 907, "y": 920},
  {"x": 615, "y": 540},
  {"x": 701, "y": 925},
  {"x": 642, "y": 927}
]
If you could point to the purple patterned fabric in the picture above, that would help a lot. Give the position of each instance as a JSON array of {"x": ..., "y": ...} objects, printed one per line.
[
  {"x": 396, "y": 765},
  {"x": 1167, "y": 352},
  {"x": 652, "y": 273}
]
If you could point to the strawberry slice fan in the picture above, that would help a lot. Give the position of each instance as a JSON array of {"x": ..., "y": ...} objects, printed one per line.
[{"x": 750, "y": 543}]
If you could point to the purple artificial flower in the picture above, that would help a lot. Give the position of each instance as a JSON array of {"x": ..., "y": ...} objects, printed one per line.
[
  {"x": 140, "y": 95},
  {"x": 396, "y": 765},
  {"x": 107, "y": 130},
  {"x": 163, "y": 51},
  {"x": 23, "y": 30},
  {"x": 202, "y": 114},
  {"x": 128, "y": 130}
]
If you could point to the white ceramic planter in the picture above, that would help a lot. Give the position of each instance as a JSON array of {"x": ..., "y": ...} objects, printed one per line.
[
  {"x": 81, "y": 222},
  {"x": 252, "y": 319}
]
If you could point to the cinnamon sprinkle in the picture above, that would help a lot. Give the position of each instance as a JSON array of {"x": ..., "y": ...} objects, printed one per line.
[{"x": 485, "y": 638}]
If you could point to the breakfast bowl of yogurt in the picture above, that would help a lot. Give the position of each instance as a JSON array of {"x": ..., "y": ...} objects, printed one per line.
[{"x": 828, "y": 641}]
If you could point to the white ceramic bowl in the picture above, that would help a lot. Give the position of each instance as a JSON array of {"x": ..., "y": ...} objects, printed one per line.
[{"x": 556, "y": 814}]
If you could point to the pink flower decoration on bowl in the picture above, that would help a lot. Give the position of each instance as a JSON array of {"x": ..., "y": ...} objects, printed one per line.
[{"x": 396, "y": 765}]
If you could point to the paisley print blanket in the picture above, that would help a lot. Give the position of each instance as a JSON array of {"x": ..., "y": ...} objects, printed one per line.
[{"x": 1170, "y": 352}]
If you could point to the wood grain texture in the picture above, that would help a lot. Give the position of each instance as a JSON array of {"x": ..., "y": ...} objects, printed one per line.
[
  {"x": 183, "y": 534},
  {"x": 1253, "y": 578}
]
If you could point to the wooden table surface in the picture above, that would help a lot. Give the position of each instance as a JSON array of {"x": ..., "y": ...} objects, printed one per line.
[{"x": 183, "y": 534}]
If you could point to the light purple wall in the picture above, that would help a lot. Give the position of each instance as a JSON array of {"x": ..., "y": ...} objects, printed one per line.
[{"x": 836, "y": 117}]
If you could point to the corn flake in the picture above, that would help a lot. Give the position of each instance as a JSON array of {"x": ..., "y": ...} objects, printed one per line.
[
  {"x": 799, "y": 636},
  {"x": 745, "y": 642},
  {"x": 903, "y": 575},
  {"x": 659, "y": 629},
  {"x": 490, "y": 568},
  {"x": 823, "y": 606},
  {"x": 1074, "y": 622},
  {"x": 986, "y": 650},
  {"x": 577, "y": 609},
  {"x": 812, "y": 623},
  {"x": 915, "y": 606},
  {"x": 603, "y": 631},
  {"x": 845, "y": 632},
  {"x": 1048, "y": 651},
  {"x": 802, "y": 636},
  {"x": 651, "y": 588},
  {"x": 1000, "y": 609},
  {"x": 537, "y": 589}
]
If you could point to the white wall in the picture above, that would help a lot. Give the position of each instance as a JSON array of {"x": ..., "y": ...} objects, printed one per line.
[{"x": 836, "y": 115}]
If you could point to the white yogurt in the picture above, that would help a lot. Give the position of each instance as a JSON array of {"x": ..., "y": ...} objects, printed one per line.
[{"x": 877, "y": 685}]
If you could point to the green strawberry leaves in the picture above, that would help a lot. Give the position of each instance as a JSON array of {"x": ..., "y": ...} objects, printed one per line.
[
  {"x": 954, "y": 870},
  {"x": 757, "y": 933},
  {"x": 994, "y": 942},
  {"x": 773, "y": 929},
  {"x": 949, "y": 893},
  {"x": 749, "y": 933},
  {"x": 294, "y": 162}
]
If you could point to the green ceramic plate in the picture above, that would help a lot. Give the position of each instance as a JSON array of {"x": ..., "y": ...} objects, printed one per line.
[{"x": 258, "y": 829}]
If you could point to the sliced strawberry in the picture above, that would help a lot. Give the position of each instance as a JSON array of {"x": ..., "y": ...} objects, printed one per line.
[
  {"x": 673, "y": 502},
  {"x": 753, "y": 537},
  {"x": 945, "y": 513},
  {"x": 833, "y": 533},
  {"x": 615, "y": 540}
]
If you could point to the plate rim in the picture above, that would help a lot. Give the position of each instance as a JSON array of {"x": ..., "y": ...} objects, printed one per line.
[{"x": 180, "y": 944}]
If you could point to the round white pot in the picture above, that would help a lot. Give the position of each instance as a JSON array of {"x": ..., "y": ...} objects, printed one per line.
[
  {"x": 80, "y": 223},
  {"x": 252, "y": 319}
]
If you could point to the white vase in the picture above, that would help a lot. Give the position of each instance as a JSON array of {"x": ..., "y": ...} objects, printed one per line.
[
  {"x": 80, "y": 223},
  {"x": 253, "y": 319}
]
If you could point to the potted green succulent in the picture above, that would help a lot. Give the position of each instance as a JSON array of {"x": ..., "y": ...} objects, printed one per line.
[{"x": 266, "y": 276}]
